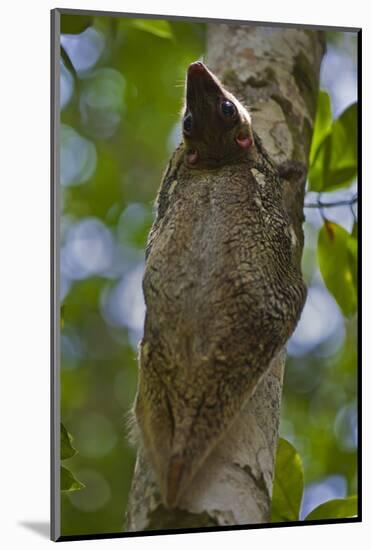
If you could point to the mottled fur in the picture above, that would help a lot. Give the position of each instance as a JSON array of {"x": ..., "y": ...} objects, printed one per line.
[{"x": 224, "y": 291}]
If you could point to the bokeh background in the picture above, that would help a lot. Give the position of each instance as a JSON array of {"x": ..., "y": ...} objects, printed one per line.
[{"x": 121, "y": 94}]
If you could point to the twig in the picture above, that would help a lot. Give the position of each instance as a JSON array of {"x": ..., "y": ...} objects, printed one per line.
[{"x": 320, "y": 204}]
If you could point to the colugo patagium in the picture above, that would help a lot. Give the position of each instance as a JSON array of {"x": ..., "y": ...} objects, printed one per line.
[{"x": 222, "y": 284}]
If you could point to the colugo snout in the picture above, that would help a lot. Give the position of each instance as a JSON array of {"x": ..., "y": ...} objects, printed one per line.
[
  {"x": 222, "y": 284},
  {"x": 216, "y": 127}
]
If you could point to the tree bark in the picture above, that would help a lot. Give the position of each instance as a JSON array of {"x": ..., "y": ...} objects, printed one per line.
[{"x": 275, "y": 72}]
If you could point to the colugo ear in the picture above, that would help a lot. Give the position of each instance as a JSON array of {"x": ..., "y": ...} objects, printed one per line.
[
  {"x": 244, "y": 136},
  {"x": 192, "y": 156},
  {"x": 243, "y": 140}
]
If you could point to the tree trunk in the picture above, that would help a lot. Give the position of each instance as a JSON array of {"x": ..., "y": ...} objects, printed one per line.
[{"x": 275, "y": 72}]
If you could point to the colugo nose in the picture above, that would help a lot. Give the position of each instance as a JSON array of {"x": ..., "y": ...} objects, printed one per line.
[
  {"x": 196, "y": 68},
  {"x": 201, "y": 83}
]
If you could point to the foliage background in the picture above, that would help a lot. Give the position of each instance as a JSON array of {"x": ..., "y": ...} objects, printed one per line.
[{"x": 121, "y": 94}]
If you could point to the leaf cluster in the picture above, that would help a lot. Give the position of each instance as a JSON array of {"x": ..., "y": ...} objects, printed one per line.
[
  {"x": 288, "y": 491},
  {"x": 68, "y": 480}
]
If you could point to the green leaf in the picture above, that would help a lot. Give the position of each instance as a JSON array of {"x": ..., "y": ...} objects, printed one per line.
[
  {"x": 62, "y": 314},
  {"x": 67, "y": 450},
  {"x": 322, "y": 123},
  {"x": 336, "y": 264},
  {"x": 288, "y": 483},
  {"x": 160, "y": 28},
  {"x": 340, "y": 177},
  {"x": 334, "y": 161},
  {"x": 344, "y": 140},
  {"x": 318, "y": 169},
  {"x": 337, "y": 508},
  {"x": 75, "y": 24},
  {"x": 69, "y": 482}
]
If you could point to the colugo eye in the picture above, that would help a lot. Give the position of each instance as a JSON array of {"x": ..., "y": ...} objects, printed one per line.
[
  {"x": 187, "y": 123},
  {"x": 228, "y": 108}
]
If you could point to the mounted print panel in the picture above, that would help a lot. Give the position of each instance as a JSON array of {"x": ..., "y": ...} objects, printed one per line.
[{"x": 205, "y": 302}]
